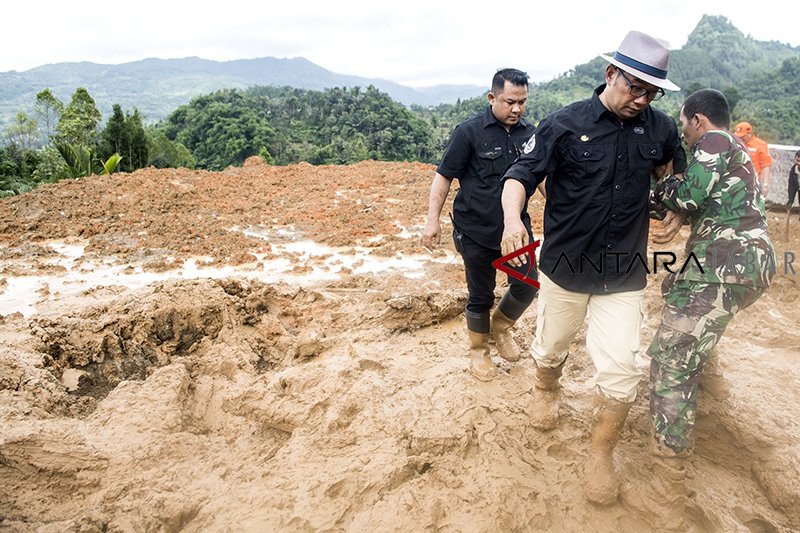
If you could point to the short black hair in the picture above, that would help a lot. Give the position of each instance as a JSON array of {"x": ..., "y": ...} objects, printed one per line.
[
  {"x": 511, "y": 75},
  {"x": 797, "y": 153},
  {"x": 712, "y": 104}
]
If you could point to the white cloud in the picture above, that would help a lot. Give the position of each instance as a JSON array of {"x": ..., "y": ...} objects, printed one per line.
[{"x": 413, "y": 42}]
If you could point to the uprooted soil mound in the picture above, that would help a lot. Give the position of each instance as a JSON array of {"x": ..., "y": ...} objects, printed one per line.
[
  {"x": 179, "y": 213},
  {"x": 234, "y": 404}
]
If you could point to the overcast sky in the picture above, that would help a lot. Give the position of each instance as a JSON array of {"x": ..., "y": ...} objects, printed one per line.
[{"x": 413, "y": 42}]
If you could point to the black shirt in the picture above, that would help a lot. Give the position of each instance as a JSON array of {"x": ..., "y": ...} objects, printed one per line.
[
  {"x": 479, "y": 151},
  {"x": 598, "y": 182}
]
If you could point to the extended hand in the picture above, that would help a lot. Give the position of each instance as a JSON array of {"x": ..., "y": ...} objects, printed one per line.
[
  {"x": 669, "y": 227},
  {"x": 431, "y": 235},
  {"x": 515, "y": 236}
]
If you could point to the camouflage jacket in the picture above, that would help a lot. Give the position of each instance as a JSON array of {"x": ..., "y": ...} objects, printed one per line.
[{"x": 722, "y": 196}]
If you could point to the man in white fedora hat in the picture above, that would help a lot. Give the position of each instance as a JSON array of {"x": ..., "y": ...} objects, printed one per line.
[{"x": 598, "y": 156}]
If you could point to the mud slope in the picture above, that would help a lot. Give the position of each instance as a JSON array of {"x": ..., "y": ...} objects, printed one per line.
[{"x": 267, "y": 348}]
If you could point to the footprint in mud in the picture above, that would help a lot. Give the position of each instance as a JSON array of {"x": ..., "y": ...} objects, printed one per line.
[
  {"x": 369, "y": 364},
  {"x": 562, "y": 452}
]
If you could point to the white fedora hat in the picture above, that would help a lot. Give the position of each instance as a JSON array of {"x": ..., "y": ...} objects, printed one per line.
[{"x": 645, "y": 57}]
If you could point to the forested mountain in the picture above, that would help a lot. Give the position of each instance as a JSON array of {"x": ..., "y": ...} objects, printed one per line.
[
  {"x": 339, "y": 125},
  {"x": 157, "y": 86},
  {"x": 286, "y": 125},
  {"x": 718, "y": 54},
  {"x": 761, "y": 79}
]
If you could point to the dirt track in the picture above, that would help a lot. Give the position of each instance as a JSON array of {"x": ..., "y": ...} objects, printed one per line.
[{"x": 177, "y": 356}]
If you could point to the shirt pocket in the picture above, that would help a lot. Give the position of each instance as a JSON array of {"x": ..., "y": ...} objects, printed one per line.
[
  {"x": 650, "y": 156},
  {"x": 586, "y": 162},
  {"x": 490, "y": 162},
  {"x": 651, "y": 152}
]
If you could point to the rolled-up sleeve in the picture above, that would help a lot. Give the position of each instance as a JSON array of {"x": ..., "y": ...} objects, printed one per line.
[
  {"x": 675, "y": 151},
  {"x": 535, "y": 162},
  {"x": 455, "y": 160},
  {"x": 691, "y": 193},
  {"x": 764, "y": 159}
]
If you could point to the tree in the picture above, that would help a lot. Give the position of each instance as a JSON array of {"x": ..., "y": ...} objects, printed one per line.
[
  {"x": 52, "y": 167},
  {"x": 124, "y": 134},
  {"x": 22, "y": 138},
  {"x": 79, "y": 158},
  {"x": 78, "y": 122},
  {"x": 23, "y": 133},
  {"x": 83, "y": 161},
  {"x": 115, "y": 136},
  {"x": 164, "y": 153},
  {"x": 732, "y": 95},
  {"x": 48, "y": 110},
  {"x": 693, "y": 87},
  {"x": 266, "y": 156},
  {"x": 137, "y": 152},
  {"x": 221, "y": 129},
  {"x": 10, "y": 180}
]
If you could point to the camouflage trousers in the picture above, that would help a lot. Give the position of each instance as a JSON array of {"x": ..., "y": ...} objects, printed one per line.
[{"x": 693, "y": 319}]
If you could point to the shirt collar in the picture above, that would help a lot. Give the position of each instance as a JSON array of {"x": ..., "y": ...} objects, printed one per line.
[
  {"x": 489, "y": 119},
  {"x": 598, "y": 108}
]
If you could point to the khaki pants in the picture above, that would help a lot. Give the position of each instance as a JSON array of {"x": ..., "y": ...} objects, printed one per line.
[{"x": 614, "y": 325}]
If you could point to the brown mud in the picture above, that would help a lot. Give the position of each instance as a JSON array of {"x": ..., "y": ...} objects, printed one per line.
[{"x": 236, "y": 402}]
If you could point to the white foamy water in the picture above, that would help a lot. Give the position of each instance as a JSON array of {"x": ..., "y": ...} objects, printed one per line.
[{"x": 317, "y": 264}]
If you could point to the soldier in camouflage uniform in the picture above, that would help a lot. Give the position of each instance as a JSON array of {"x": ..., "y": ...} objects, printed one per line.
[{"x": 722, "y": 197}]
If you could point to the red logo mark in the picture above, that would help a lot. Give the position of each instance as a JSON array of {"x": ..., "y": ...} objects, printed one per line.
[{"x": 499, "y": 264}]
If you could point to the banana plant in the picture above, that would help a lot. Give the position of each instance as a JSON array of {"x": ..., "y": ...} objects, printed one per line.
[
  {"x": 82, "y": 160},
  {"x": 111, "y": 163}
]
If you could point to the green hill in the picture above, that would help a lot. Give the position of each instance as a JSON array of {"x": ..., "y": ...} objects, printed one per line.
[
  {"x": 158, "y": 86},
  {"x": 292, "y": 110},
  {"x": 760, "y": 78}
]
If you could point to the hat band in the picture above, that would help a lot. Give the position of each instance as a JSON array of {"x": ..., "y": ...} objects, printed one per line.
[{"x": 647, "y": 69}]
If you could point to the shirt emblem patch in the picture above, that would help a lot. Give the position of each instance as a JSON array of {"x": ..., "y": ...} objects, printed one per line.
[
  {"x": 529, "y": 144},
  {"x": 638, "y": 130}
]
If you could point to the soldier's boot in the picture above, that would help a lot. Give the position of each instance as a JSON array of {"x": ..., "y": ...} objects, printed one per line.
[
  {"x": 546, "y": 397},
  {"x": 505, "y": 316},
  {"x": 665, "y": 500},
  {"x": 480, "y": 365},
  {"x": 601, "y": 483}
]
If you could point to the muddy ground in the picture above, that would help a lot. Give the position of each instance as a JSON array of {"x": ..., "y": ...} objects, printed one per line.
[{"x": 268, "y": 348}]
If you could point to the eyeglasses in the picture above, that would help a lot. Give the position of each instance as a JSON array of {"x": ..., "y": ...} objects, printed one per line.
[{"x": 638, "y": 91}]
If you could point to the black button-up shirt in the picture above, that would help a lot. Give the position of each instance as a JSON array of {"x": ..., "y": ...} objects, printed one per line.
[
  {"x": 598, "y": 173},
  {"x": 479, "y": 151}
]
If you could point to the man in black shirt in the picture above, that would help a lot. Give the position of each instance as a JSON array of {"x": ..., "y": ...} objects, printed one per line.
[
  {"x": 478, "y": 152},
  {"x": 794, "y": 185},
  {"x": 598, "y": 156}
]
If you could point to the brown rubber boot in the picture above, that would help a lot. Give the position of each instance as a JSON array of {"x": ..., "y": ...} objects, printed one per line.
[
  {"x": 480, "y": 365},
  {"x": 501, "y": 331},
  {"x": 601, "y": 480},
  {"x": 546, "y": 396},
  {"x": 665, "y": 499}
]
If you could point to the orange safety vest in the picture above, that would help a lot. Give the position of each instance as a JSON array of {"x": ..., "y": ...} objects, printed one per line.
[{"x": 759, "y": 153}]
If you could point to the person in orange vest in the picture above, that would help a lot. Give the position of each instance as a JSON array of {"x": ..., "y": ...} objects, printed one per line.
[{"x": 759, "y": 153}]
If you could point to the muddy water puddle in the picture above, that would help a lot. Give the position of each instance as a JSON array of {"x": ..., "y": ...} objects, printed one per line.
[{"x": 302, "y": 263}]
